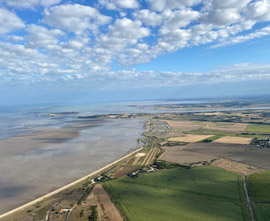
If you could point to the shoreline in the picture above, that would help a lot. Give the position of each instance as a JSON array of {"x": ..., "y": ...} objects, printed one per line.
[{"x": 48, "y": 195}]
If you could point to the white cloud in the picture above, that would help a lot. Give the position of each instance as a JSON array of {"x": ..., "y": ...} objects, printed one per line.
[
  {"x": 29, "y": 3},
  {"x": 75, "y": 18},
  {"x": 179, "y": 18},
  {"x": 40, "y": 36},
  {"x": 223, "y": 17},
  {"x": 161, "y": 5},
  {"x": 73, "y": 41},
  {"x": 243, "y": 38},
  {"x": 148, "y": 18},
  {"x": 116, "y": 4},
  {"x": 122, "y": 33},
  {"x": 9, "y": 21},
  {"x": 259, "y": 10},
  {"x": 235, "y": 4}
]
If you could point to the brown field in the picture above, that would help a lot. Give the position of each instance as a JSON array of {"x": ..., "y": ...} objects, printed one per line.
[
  {"x": 99, "y": 197},
  {"x": 189, "y": 138},
  {"x": 124, "y": 170},
  {"x": 255, "y": 156},
  {"x": 234, "y": 140},
  {"x": 183, "y": 125},
  {"x": 217, "y": 149},
  {"x": 236, "y": 167},
  {"x": 230, "y": 128},
  {"x": 179, "y": 155},
  {"x": 176, "y": 134}
]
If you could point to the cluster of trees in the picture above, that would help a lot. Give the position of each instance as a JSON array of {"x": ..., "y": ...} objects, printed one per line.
[{"x": 94, "y": 214}]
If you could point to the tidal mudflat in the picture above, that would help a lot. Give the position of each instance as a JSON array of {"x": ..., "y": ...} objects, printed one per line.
[{"x": 36, "y": 163}]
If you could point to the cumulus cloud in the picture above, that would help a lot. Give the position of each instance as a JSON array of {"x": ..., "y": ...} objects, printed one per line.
[
  {"x": 148, "y": 18},
  {"x": 77, "y": 41},
  {"x": 122, "y": 33},
  {"x": 40, "y": 36},
  {"x": 259, "y": 10},
  {"x": 29, "y": 3},
  {"x": 75, "y": 18},
  {"x": 9, "y": 21},
  {"x": 243, "y": 38},
  {"x": 116, "y": 4},
  {"x": 161, "y": 5}
]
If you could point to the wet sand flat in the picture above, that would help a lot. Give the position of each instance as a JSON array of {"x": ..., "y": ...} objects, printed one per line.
[{"x": 34, "y": 164}]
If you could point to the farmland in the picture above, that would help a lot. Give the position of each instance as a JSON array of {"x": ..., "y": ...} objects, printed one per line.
[
  {"x": 236, "y": 167},
  {"x": 190, "y": 138},
  {"x": 182, "y": 156},
  {"x": 258, "y": 186},
  {"x": 256, "y": 157},
  {"x": 204, "y": 193},
  {"x": 100, "y": 199},
  {"x": 258, "y": 128},
  {"x": 234, "y": 140},
  {"x": 227, "y": 127}
]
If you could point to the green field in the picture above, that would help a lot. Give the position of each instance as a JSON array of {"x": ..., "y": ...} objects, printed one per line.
[
  {"x": 258, "y": 187},
  {"x": 258, "y": 128},
  {"x": 262, "y": 211},
  {"x": 204, "y": 193}
]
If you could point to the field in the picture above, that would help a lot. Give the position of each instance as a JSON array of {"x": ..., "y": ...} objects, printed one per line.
[
  {"x": 258, "y": 188},
  {"x": 234, "y": 140},
  {"x": 257, "y": 128},
  {"x": 227, "y": 127},
  {"x": 236, "y": 167},
  {"x": 182, "y": 156},
  {"x": 183, "y": 125},
  {"x": 190, "y": 138},
  {"x": 262, "y": 211},
  {"x": 98, "y": 197},
  {"x": 255, "y": 156},
  {"x": 217, "y": 149},
  {"x": 203, "y": 193}
]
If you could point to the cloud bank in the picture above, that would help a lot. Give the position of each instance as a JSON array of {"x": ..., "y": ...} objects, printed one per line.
[{"x": 83, "y": 42}]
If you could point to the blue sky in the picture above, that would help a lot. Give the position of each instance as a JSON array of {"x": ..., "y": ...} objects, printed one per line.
[{"x": 56, "y": 50}]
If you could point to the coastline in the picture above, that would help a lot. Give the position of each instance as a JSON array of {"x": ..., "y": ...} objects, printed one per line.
[
  {"x": 31, "y": 203},
  {"x": 35, "y": 164}
]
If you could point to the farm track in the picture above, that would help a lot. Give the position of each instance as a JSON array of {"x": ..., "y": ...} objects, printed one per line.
[{"x": 248, "y": 199}]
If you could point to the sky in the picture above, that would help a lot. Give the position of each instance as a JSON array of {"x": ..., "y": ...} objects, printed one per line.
[{"x": 86, "y": 51}]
